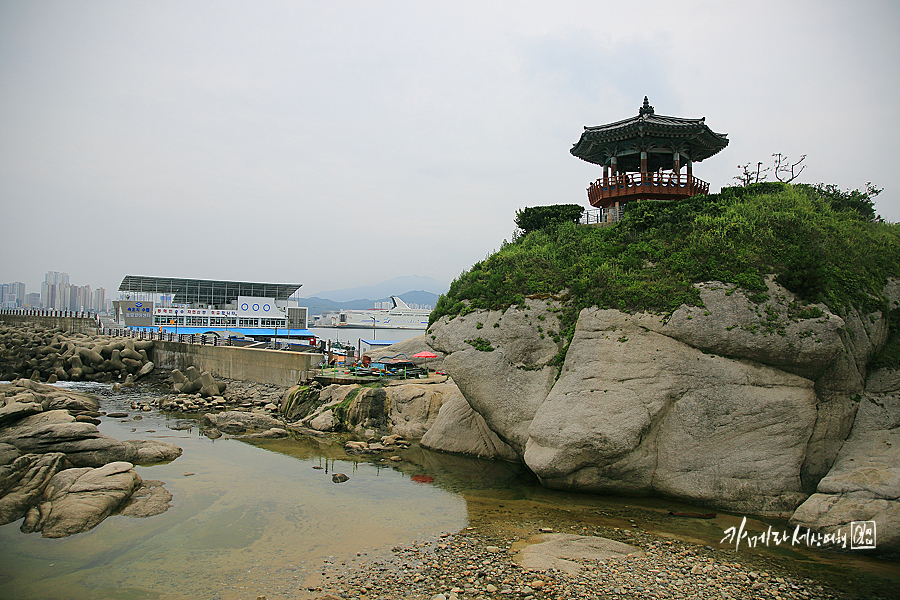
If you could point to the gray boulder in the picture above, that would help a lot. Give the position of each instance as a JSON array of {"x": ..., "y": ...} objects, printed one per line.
[
  {"x": 461, "y": 430},
  {"x": 148, "y": 500},
  {"x": 864, "y": 483},
  {"x": 234, "y": 421},
  {"x": 14, "y": 411},
  {"x": 323, "y": 421},
  {"x": 413, "y": 408},
  {"x": 406, "y": 409},
  {"x": 567, "y": 552},
  {"x": 77, "y": 500},
  {"x": 82, "y": 443},
  {"x": 508, "y": 384},
  {"x": 23, "y": 481},
  {"x": 639, "y": 411},
  {"x": 71, "y": 402},
  {"x": 148, "y": 452}
]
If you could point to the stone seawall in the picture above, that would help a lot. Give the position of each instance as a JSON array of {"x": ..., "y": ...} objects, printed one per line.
[
  {"x": 86, "y": 325},
  {"x": 247, "y": 364}
]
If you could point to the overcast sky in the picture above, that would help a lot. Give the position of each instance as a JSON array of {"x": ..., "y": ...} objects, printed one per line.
[{"x": 339, "y": 144}]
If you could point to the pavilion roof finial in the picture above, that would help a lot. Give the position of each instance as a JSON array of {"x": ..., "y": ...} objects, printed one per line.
[{"x": 646, "y": 109}]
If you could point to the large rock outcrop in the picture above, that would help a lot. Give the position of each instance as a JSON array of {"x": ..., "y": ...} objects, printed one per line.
[
  {"x": 638, "y": 411},
  {"x": 405, "y": 409},
  {"x": 734, "y": 404},
  {"x": 505, "y": 376},
  {"x": 461, "y": 430},
  {"x": 864, "y": 483},
  {"x": 63, "y": 475}
]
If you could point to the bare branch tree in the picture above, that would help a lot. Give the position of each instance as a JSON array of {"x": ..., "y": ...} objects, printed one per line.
[
  {"x": 784, "y": 170},
  {"x": 750, "y": 176}
]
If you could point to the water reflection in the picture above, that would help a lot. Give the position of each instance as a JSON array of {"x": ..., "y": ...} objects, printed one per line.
[
  {"x": 259, "y": 516},
  {"x": 243, "y": 521}
]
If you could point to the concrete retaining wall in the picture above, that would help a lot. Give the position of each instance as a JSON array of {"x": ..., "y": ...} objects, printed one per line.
[
  {"x": 85, "y": 325},
  {"x": 247, "y": 364}
]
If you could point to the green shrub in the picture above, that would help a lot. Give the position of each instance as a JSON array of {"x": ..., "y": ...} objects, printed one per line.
[
  {"x": 541, "y": 217},
  {"x": 821, "y": 251},
  {"x": 481, "y": 344}
]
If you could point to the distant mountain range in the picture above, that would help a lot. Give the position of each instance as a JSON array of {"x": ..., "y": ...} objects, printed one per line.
[
  {"x": 426, "y": 291},
  {"x": 386, "y": 289}
]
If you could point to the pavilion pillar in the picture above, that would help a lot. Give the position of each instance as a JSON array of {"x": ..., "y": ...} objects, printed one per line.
[
  {"x": 676, "y": 160},
  {"x": 643, "y": 168},
  {"x": 614, "y": 169},
  {"x": 690, "y": 182},
  {"x": 605, "y": 176}
]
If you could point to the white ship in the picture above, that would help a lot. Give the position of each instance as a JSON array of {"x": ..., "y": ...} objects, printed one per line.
[{"x": 399, "y": 316}]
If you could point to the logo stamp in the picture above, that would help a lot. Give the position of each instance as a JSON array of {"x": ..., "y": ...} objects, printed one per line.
[{"x": 862, "y": 535}]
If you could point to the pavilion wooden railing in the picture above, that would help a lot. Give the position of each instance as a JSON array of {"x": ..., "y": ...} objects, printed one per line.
[{"x": 631, "y": 185}]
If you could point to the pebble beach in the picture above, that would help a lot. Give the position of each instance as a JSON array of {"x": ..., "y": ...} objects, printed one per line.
[{"x": 481, "y": 563}]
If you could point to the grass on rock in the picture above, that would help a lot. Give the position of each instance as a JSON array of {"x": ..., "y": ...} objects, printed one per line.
[{"x": 650, "y": 260}]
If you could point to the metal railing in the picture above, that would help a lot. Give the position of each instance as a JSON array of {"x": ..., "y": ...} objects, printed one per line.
[
  {"x": 599, "y": 216},
  {"x": 47, "y": 312},
  {"x": 168, "y": 336}
]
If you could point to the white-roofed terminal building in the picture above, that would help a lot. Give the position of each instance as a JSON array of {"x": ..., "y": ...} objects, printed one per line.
[{"x": 226, "y": 309}]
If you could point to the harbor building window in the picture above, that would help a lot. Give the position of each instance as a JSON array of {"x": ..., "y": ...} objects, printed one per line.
[
  {"x": 282, "y": 323},
  {"x": 248, "y": 322},
  {"x": 168, "y": 320}
]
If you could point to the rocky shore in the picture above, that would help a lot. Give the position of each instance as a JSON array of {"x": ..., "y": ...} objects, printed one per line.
[
  {"x": 63, "y": 475},
  {"x": 757, "y": 405},
  {"x": 490, "y": 562}
]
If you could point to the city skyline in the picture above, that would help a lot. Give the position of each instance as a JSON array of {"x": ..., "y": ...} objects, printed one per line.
[{"x": 56, "y": 292}]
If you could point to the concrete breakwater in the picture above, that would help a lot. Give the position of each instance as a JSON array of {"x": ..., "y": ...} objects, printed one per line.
[
  {"x": 246, "y": 364},
  {"x": 64, "y": 321},
  {"x": 55, "y": 345},
  {"x": 51, "y": 354}
]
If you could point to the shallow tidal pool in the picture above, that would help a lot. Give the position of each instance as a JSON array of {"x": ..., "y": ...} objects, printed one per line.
[
  {"x": 258, "y": 518},
  {"x": 247, "y": 521}
]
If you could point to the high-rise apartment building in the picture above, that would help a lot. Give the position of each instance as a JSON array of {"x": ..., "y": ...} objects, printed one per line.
[
  {"x": 55, "y": 291},
  {"x": 100, "y": 300},
  {"x": 12, "y": 295}
]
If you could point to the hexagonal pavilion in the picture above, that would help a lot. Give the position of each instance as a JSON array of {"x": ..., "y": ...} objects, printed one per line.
[{"x": 642, "y": 158}]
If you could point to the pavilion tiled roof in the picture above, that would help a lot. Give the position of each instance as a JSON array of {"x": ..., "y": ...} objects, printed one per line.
[{"x": 649, "y": 132}]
